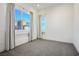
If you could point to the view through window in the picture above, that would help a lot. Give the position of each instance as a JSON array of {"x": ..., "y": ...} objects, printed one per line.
[
  {"x": 22, "y": 20},
  {"x": 43, "y": 23}
]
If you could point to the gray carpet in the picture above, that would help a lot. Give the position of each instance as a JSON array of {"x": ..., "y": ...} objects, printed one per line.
[{"x": 42, "y": 48}]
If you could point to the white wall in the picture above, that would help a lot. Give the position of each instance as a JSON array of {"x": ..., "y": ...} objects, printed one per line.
[
  {"x": 59, "y": 22},
  {"x": 2, "y": 26},
  {"x": 76, "y": 27}
]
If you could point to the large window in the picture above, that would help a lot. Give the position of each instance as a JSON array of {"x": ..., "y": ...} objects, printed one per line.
[
  {"x": 22, "y": 20},
  {"x": 43, "y": 23}
]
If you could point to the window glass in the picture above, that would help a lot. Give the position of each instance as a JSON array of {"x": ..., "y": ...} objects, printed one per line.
[
  {"x": 26, "y": 17},
  {"x": 43, "y": 23},
  {"x": 17, "y": 19},
  {"x": 22, "y": 20}
]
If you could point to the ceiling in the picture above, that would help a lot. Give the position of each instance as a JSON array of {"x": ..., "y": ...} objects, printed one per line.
[{"x": 41, "y": 5}]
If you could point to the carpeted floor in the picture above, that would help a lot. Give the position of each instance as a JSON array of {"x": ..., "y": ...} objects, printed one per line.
[{"x": 43, "y": 48}]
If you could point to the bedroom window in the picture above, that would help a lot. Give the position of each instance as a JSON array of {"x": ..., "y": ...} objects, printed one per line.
[{"x": 22, "y": 20}]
